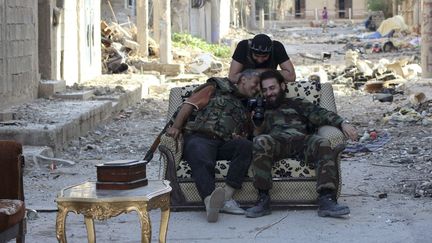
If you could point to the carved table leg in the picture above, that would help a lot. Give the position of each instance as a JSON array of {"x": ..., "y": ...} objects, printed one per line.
[
  {"x": 145, "y": 225},
  {"x": 165, "y": 214},
  {"x": 60, "y": 224},
  {"x": 91, "y": 237}
]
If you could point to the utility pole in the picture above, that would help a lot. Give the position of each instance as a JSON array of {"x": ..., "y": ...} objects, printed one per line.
[
  {"x": 142, "y": 26},
  {"x": 416, "y": 16},
  {"x": 261, "y": 19},
  {"x": 426, "y": 42},
  {"x": 165, "y": 31},
  {"x": 156, "y": 20},
  {"x": 252, "y": 22}
]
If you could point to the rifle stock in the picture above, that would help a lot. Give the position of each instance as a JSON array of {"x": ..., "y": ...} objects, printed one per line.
[{"x": 149, "y": 155}]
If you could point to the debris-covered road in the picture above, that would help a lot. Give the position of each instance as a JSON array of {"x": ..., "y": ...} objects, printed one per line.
[{"x": 389, "y": 189}]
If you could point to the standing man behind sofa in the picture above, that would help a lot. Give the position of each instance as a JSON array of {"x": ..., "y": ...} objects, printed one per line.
[
  {"x": 261, "y": 54},
  {"x": 216, "y": 122},
  {"x": 285, "y": 133}
]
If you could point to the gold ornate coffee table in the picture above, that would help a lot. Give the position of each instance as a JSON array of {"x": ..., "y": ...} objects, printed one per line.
[{"x": 103, "y": 204}]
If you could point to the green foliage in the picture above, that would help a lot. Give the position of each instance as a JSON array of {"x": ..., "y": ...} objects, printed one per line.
[
  {"x": 186, "y": 40},
  {"x": 382, "y": 5}
]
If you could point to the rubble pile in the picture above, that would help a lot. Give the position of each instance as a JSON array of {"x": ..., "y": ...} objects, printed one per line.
[
  {"x": 374, "y": 76},
  {"x": 118, "y": 44},
  {"x": 121, "y": 54}
]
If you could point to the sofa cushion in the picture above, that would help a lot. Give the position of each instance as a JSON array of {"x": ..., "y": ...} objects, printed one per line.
[
  {"x": 281, "y": 169},
  {"x": 11, "y": 213},
  {"x": 310, "y": 90}
]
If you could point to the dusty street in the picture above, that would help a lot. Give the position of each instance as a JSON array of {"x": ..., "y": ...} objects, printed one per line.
[{"x": 389, "y": 190}]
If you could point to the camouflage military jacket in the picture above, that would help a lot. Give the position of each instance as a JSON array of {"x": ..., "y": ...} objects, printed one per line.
[
  {"x": 295, "y": 118},
  {"x": 224, "y": 115}
]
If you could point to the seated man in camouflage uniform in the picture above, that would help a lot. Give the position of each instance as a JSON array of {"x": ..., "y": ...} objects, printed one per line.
[
  {"x": 285, "y": 132},
  {"x": 216, "y": 123}
]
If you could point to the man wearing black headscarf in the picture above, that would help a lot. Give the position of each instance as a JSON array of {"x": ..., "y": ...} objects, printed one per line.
[{"x": 262, "y": 54}]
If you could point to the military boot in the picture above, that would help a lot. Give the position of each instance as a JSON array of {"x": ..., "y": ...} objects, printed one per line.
[
  {"x": 262, "y": 206},
  {"x": 328, "y": 206}
]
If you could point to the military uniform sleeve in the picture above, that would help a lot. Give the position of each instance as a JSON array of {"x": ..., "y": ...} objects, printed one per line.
[
  {"x": 201, "y": 98},
  {"x": 316, "y": 115}
]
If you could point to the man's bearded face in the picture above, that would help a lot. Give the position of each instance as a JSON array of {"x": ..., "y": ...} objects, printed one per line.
[{"x": 273, "y": 92}]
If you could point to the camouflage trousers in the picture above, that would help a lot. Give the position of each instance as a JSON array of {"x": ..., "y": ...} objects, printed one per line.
[{"x": 313, "y": 148}]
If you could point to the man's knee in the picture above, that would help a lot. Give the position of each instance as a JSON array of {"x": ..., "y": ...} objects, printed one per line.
[
  {"x": 319, "y": 142},
  {"x": 244, "y": 145},
  {"x": 263, "y": 142}
]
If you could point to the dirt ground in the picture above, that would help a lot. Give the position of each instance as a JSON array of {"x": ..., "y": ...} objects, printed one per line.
[{"x": 389, "y": 190}]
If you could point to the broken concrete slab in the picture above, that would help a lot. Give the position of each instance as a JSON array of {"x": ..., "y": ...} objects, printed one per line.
[
  {"x": 188, "y": 78},
  {"x": 123, "y": 100},
  {"x": 54, "y": 123},
  {"x": 75, "y": 95},
  {"x": 47, "y": 88},
  {"x": 6, "y": 116},
  {"x": 167, "y": 69},
  {"x": 30, "y": 155}
]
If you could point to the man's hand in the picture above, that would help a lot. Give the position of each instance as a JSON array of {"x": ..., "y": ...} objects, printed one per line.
[
  {"x": 349, "y": 131},
  {"x": 173, "y": 132}
]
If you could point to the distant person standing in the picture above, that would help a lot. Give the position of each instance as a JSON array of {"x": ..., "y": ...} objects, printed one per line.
[{"x": 324, "y": 16}]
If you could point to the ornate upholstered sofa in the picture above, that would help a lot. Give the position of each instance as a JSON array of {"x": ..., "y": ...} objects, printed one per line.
[
  {"x": 293, "y": 181},
  {"x": 12, "y": 208}
]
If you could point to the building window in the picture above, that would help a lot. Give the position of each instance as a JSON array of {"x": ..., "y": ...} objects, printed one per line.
[{"x": 129, "y": 3}]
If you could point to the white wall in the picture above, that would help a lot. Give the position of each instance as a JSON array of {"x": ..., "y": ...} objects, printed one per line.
[
  {"x": 225, "y": 19},
  {"x": 82, "y": 59}
]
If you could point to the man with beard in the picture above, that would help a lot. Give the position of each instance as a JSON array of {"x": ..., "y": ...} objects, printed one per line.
[
  {"x": 261, "y": 54},
  {"x": 286, "y": 131},
  {"x": 216, "y": 122}
]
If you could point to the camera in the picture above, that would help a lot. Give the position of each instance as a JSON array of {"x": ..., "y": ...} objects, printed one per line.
[{"x": 257, "y": 105}]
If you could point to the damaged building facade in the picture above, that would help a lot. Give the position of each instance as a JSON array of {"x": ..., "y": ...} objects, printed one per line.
[
  {"x": 69, "y": 40},
  {"x": 19, "y": 73},
  {"x": 46, "y": 40},
  {"x": 208, "y": 20},
  {"x": 337, "y": 9},
  {"x": 211, "y": 20}
]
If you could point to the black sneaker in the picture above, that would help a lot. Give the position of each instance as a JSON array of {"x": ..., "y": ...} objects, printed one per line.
[
  {"x": 261, "y": 208},
  {"x": 328, "y": 207}
]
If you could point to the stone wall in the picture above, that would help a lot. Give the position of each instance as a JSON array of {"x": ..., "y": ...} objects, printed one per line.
[{"x": 18, "y": 52}]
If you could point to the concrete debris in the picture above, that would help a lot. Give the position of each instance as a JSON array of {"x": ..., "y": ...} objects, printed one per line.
[
  {"x": 205, "y": 62},
  {"x": 417, "y": 98}
]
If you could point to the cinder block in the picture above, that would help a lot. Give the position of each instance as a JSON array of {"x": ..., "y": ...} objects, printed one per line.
[
  {"x": 48, "y": 88},
  {"x": 77, "y": 95},
  {"x": 6, "y": 115}
]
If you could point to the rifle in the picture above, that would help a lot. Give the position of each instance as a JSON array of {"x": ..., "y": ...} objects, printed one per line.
[{"x": 149, "y": 155}]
